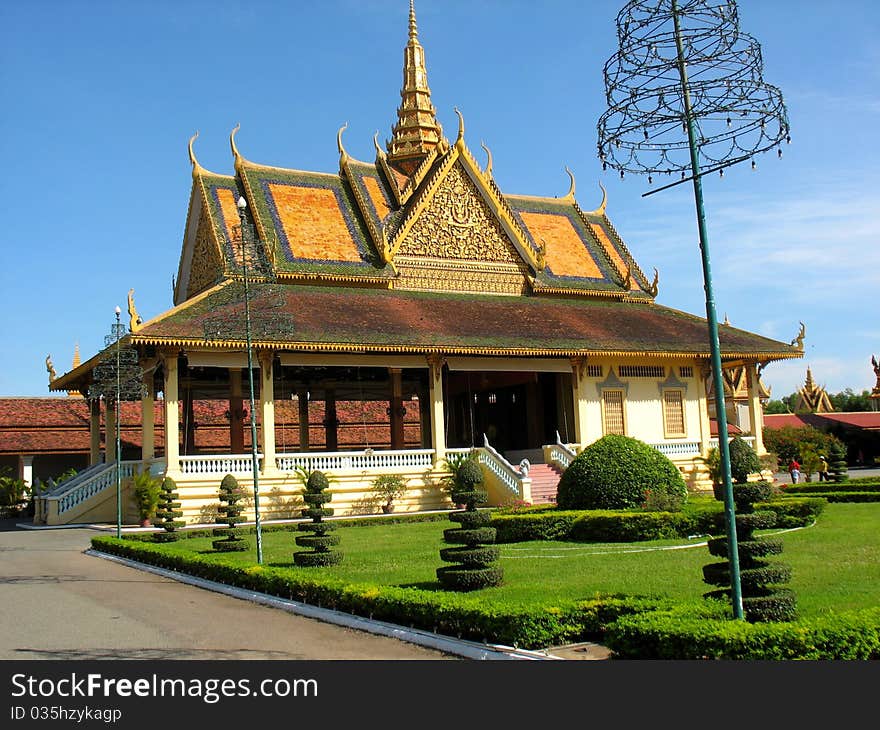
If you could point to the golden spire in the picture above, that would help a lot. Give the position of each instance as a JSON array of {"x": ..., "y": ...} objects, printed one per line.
[
  {"x": 417, "y": 131},
  {"x": 77, "y": 361}
]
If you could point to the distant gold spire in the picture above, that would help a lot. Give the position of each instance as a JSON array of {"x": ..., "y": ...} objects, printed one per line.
[
  {"x": 813, "y": 398},
  {"x": 417, "y": 131},
  {"x": 77, "y": 361}
]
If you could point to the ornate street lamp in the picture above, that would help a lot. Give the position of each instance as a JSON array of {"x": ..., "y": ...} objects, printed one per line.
[
  {"x": 253, "y": 264},
  {"x": 117, "y": 377},
  {"x": 686, "y": 96}
]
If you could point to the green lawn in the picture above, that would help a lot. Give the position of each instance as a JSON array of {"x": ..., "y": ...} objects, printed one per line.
[{"x": 836, "y": 563}]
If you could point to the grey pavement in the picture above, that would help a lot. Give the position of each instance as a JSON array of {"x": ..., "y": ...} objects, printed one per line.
[
  {"x": 59, "y": 603},
  {"x": 854, "y": 472}
]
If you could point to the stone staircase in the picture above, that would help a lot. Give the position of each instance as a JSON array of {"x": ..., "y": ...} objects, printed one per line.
[{"x": 545, "y": 479}]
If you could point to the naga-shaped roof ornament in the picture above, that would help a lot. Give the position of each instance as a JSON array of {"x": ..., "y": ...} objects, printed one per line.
[
  {"x": 654, "y": 288},
  {"x": 601, "y": 209},
  {"x": 489, "y": 156},
  {"x": 460, "y": 138},
  {"x": 197, "y": 168},
  {"x": 343, "y": 155},
  {"x": 235, "y": 153},
  {"x": 798, "y": 342},
  {"x": 134, "y": 319},
  {"x": 570, "y": 194}
]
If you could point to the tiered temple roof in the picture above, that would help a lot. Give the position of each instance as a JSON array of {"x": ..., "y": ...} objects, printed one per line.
[{"x": 419, "y": 251}]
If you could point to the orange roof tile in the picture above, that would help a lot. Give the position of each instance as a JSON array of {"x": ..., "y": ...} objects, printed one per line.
[
  {"x": 566, "y": 254},
  {"x": 313, "y": 223}
]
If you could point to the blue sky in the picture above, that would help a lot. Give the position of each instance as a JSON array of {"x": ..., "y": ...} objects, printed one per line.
[{"x": 100, "y": 99}]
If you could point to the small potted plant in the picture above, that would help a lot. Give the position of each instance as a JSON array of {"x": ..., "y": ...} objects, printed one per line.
[
  {"x": 146, "y": 490},
  {"x": 387, "y": 488}
]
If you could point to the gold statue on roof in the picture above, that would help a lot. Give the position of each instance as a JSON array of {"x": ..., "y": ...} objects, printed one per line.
[
  {"x": 798, "y": 341},
  {"x": 134, "y": 321},
  {"x": 50, "y": 368}
]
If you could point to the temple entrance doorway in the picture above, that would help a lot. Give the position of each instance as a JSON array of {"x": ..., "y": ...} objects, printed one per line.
[{"x": 516, "y": 411}]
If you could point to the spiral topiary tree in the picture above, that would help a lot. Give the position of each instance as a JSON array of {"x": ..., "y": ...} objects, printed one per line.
[
  {"x": 760, "y": 580},
  {"x": 616, "y": 472},
  {"x": 837, "y": 462},
  {"x": 168, "y": 511},
  {"x": 230, "y": 515},
  {"x": 474, "y": 556},
  {"x": 316, "y": 494}
]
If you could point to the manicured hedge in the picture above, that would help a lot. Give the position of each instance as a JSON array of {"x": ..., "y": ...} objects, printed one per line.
[
  {"x": 448, "y": 613},
  {"x": 633, "y": 628},
  {"x": 706, "y": 631},
  {"x": 849, "y": 496},
  {"x": 634, "y": 526},
  {"x": 830, "y": 488}
]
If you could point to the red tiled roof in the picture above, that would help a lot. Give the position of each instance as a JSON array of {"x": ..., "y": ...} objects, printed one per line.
[
  {"x": 732, "y": 428},
  {"x": 868, "y": 420}
]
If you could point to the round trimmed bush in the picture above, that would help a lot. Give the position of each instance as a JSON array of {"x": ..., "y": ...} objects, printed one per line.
[
  {"x": 616, "y": 472},
  {"x": 743, "y": 460}
]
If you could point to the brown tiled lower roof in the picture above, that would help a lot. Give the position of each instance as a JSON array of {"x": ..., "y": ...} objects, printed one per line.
[{"x": 337, "y": 318}]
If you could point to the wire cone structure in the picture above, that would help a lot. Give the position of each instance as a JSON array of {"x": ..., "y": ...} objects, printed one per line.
[
  {"x": 736, "y": 114},
  {"x": 686, "y": 95}
]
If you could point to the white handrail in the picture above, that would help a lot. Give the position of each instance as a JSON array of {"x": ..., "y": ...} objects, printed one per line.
[
  {"x": 99, "y": 481},
  {"x": 219, "y": 463},
  {"x": 509, "y": 476},
  {"x": 356, "y": 460},
  {"x": 561, "y": 453},
  {"x": 750, "y": 440}
]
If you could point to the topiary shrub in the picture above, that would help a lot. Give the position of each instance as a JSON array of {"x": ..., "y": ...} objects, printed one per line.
[
  {"x": 743, "y": 460},
  {"x": 475, "y": 554},
  {"x": 230, "y": 515},
  {"x": 316, "y": 494},
  {"x": 837, "y": 462},
  {"x": 616, "y": 472},
  {"x": 763, "y": 599},
  {"x": 168, "y": 511}
]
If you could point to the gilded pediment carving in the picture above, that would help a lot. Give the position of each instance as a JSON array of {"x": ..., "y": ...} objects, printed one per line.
[
  {"x": 206, "y": 266},
  {"x": 458, "y": 224}
]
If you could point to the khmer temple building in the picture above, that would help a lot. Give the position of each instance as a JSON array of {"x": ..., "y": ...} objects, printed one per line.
[{"x": 471, "y": 318}]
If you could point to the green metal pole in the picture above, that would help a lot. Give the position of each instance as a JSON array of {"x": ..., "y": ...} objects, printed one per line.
[
  {"x": 254, "y": 461},
  {"x": 718, "y": 383},
  {"x": 118, "y": 441}
]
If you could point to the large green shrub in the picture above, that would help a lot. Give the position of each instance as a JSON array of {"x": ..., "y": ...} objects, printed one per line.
[
  {"x": 616, "y": 472},
  {"x": 789, "y": 442}
]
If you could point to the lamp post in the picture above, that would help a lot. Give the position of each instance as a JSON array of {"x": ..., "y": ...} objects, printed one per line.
[
  {"x": 116, "y": 330},
  {"x": 685, "y": 69},
  {"x": 242, "y": 208}
]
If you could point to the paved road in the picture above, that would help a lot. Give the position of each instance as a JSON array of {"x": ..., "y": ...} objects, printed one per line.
[
  {"x": 59, "y": 603},
  {"x": 854, "y": 472}
]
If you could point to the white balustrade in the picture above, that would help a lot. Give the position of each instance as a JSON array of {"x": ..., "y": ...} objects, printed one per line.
[
  {"x": 219, "y": 464},
  {"x": 356, "y": 460},
  {"x": 97, "y": 482},
  {"x": 501, "y": 468},
  {"x": 677, "y": 449},
  {"x": 750, "y": 440},
  {"x": 562, "y": 454}
]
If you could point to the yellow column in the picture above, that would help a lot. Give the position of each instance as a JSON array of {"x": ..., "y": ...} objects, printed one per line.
[
  {"x": 580, "y": 399},
  {"x": 267, "y": 412},
  {"x": 438, "y": 417},
  {"x": 756, "y": 413},
  {"x": 148, "y": 420},
  {"x": 172, "y": 417},
  {"x": 109, "y": 433},
  {"x": 94, "y": 432},
  {"x": 703, "y": 398}
]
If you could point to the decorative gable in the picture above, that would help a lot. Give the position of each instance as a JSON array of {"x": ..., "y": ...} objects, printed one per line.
[
  {"x": 206, "y": 268},
  {"x": 458, "y": 244}
]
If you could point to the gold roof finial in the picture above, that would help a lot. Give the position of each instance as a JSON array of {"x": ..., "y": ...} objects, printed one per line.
[
  {"x": 342, "y": 153},
  {"x": 77, "y": 361},
  {"x": 601, "y": 209},
  {"x": 192, "y": 157},
  {"x": 655, "y": 285},
  {"x": 489, "y": 156},
  {"x": 134, "y": 319},
  {"x": 417, "y": 131},
  {"x": 798, "y": 341},
  {"x": 235, "y": 153},
  {"x": 460, "y": 125},
  {"x": 570, "y": 194},
  {"x": 50, "y": 368}
]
